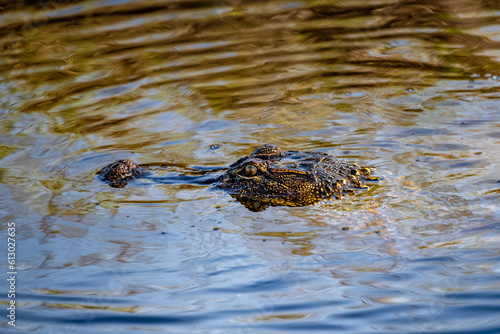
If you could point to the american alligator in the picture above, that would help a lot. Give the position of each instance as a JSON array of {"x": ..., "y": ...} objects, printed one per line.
[{"x": 268, "y": 176}]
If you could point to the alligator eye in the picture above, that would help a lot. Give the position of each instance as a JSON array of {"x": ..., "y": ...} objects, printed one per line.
[{"x": 250, "y": 170}]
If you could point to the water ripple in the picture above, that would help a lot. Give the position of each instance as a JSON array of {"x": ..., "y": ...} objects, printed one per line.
[{"x": 190, "y": 86}]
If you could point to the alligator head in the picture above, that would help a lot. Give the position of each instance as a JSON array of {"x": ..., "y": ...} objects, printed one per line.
[
  {"x": 271, "y": 176},
  {"x": 268, "y": 177}
]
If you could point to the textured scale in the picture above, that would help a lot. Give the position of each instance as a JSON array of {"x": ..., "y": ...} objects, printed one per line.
[{"x": 291, "y": 178}]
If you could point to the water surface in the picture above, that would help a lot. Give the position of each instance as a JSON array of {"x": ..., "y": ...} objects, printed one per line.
[{"x": 411, "y": 88}]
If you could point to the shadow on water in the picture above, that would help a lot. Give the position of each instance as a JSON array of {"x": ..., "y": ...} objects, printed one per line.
[
  {"x": 408, "y": 87},
  {"x": 232, "y": 55}
]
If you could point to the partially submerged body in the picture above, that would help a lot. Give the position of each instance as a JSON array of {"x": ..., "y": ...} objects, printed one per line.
[{"x": 270, "y": 176}]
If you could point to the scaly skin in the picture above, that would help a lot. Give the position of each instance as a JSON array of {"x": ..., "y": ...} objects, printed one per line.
[
  {"x": 271, "y": 177},
  {"x": 120, "y": 172}
]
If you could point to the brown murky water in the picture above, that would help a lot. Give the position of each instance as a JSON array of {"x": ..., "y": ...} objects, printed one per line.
[{"x": 411, "y": 88}]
